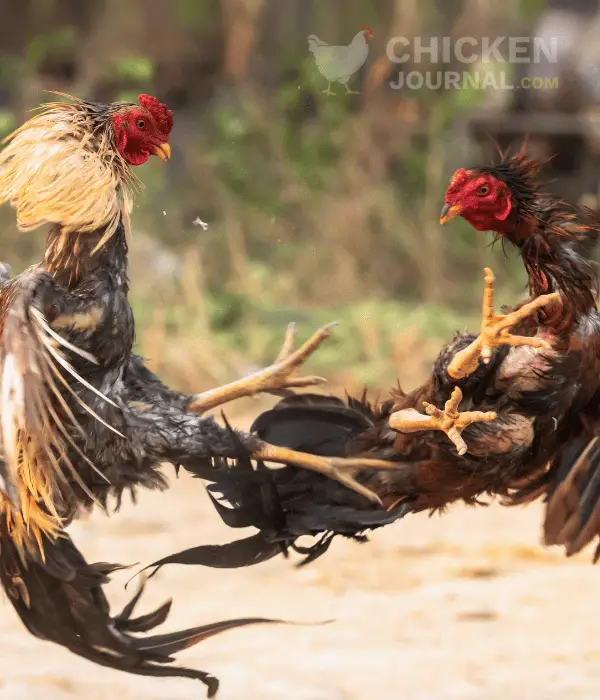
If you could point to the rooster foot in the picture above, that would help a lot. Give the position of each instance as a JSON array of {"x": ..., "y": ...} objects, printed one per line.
[
  {"x": 494, "y": 331},
  {"x": 449, "y": 421},
  {"x": 328, "y": 91},
  {"x": 278, "y": 378},
  {"x": 351, "y": 92},
  {"x": 342, "y": 469}
]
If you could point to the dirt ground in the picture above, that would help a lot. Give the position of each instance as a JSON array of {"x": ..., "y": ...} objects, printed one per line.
[{"x": 468, "y": 606}]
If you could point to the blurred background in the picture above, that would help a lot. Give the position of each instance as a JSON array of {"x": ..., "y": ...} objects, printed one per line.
[{"x": 318, "y": 208}]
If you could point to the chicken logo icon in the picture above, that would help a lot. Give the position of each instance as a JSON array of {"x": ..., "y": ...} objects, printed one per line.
[{"x": 337, "y": 64}]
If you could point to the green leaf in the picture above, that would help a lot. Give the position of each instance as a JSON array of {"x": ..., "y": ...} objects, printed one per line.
[{"x": 135, "y": 69}]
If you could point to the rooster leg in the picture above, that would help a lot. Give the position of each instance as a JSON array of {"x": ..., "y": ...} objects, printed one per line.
[
  {"x": 159, "y": 433},
  {"x": 342, "y": 469},
  {"x": 328, "y": 91},
  {"x": 351, "y": 92},
  {"x": 449, "y": 421},
  {"x": 494, "y": 331},
  {"x": 277, "y": 378}
]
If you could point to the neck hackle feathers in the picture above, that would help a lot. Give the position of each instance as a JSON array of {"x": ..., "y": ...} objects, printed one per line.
[
  {"x": 553, "y": 237},
  {"x": 62, "y": 167}
]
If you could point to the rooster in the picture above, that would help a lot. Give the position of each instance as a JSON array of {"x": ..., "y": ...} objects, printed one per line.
[
  {"x": 555, "y": 241},
  {"x": 532, "y": 404},
  {"x": 337, "y": 64},
  {"x": 81, "y": 417}
]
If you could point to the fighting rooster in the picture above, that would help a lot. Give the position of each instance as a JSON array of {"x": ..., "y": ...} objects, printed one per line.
[
  {"x": 81, "y": 418},
  {"x": 554, "y": 240},
  {"x": 530, "y": 401}
]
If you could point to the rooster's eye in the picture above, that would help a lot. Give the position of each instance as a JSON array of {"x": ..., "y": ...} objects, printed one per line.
[
  {"x": 483, "y": 190},
  {"x": 141, "y": 123}
]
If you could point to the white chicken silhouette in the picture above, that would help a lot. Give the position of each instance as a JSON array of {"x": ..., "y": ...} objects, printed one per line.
[{"x": 337, "y": 64}]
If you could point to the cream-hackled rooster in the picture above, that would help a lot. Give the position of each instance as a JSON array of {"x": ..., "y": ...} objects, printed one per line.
[{"x": 82, "y": 418}]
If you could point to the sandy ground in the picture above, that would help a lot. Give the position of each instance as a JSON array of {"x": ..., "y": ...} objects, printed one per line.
[{"x": 468, "y": 606}]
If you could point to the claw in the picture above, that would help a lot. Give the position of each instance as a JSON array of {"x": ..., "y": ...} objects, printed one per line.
[
  {"x": 340, "y": 469},
  {"x": 287, "y": 347},
  {"x": 494, "y": 331},
  {"x": 449, "y": 421},
  {"x": 278, "y": 378}
]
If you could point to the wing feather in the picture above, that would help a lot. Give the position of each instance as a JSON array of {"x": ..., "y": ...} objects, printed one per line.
[{"x": 37, "y": 421}]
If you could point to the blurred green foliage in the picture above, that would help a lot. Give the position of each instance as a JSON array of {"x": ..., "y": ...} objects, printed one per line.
[{"x": 319, "y": 208}]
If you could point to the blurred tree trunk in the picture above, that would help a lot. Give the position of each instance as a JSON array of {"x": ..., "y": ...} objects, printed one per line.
[
  {"x": 281, "y": 31},
  {"x": 240, "y": 21},
  {"x": 15, "y": 26}
]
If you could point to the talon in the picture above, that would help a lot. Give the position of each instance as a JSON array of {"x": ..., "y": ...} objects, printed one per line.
[
  {"x": 278, "y": 378},
  {"x": 495, "y": 331},
  {"x": 288, "y": 343},
  {"x": 342, "y": 469},
  {"x": 449, "y": 421}
]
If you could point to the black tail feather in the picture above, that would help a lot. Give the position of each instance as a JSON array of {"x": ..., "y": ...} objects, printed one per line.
[
  {"x": 61, "y": 600},
  {"x": 233, "y": 555},
  {"x": 287, "y": 503}
]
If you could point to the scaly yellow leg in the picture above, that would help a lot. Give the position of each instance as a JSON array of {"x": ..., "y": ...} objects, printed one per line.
[
  {"x": 449, "y": 421},
  {"x": 495, "y": 331},
  {"x": 277, "y": 378}
]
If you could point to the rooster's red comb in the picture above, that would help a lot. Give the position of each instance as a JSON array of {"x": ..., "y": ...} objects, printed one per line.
[
  {"x": 366, "y": 27},
  {"x": 162, "y": 116}
]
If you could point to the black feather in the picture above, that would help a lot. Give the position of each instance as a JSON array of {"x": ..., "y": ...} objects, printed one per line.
[
  {"x": 320, "y": 425},
  {"x": 233, "y": 555},
  {"x": 61, "y": 600}
]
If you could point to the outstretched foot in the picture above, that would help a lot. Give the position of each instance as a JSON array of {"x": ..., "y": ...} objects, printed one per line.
[
  {"x": 340, "y": 469},
  {"x": 276, "y": 378},
  {"x": 351, "y": 92},
  {"x": 495, "y": 331},
  {"x": 449, "y": 421}
]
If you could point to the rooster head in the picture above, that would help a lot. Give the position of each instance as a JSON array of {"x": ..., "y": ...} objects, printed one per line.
[
  {"x": 143, "y": 131},
  {"x": 71, "y": 164},
  {"x": 486, "y": 196},
  {"x": 367, "y": 33}
]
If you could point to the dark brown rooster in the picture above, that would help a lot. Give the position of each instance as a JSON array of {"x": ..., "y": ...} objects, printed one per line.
[
  {"x": 82, "y": 418},
  {"x": 531, "y": 403}
]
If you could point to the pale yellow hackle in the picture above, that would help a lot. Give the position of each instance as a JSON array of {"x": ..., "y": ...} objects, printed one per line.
[{"x": 60, "y": 167}]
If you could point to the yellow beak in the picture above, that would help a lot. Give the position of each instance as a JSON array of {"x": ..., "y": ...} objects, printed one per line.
[
  {"x": 163, "y": 151},
  {"x": 449, "y": 212}
]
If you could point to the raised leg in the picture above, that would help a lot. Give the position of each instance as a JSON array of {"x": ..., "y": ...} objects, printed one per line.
[
  {"x": 342, "y": 469},
  {"x": 159, "y": 433},
  {"x": 495, "y": 331},
  {"x": 276, "y": 378},
  {"x": 449, "y": 421},
  {"x": 162, "y": 430}
]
